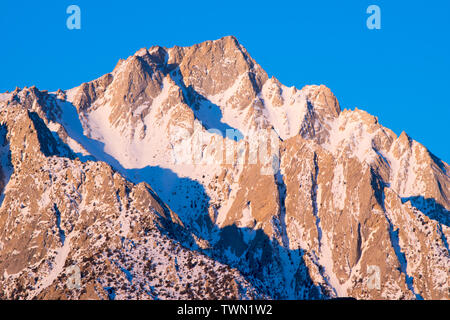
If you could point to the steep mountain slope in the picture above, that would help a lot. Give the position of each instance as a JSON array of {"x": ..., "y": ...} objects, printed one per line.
[
  {"x": 59, "y": 214},
  {"x": 303, "y": 199}
]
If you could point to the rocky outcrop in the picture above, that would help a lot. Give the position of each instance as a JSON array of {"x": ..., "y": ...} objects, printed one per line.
[{"x": 192, "y": 157}]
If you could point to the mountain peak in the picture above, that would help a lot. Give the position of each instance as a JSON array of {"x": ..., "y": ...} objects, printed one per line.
[
  {"x": 324, "y": 99},
  {"x": 404, "y": 138},
  {"x": 133, "y": 178},
  {"x": 227, "y": 42}
]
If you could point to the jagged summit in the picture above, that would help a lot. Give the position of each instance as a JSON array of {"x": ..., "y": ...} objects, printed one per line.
[{"x": 135, "y": 178}]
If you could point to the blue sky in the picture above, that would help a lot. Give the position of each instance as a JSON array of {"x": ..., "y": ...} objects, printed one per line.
[{"x": 400, "y": 73}]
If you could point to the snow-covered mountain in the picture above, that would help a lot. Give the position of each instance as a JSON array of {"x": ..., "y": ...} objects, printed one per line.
[{"x": 187, "y": 172}]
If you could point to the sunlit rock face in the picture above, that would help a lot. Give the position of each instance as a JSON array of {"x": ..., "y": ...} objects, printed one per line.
[{"x": 187, "y": 172}]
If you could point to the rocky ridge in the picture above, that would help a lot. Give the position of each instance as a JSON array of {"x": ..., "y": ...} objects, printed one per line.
[{"x": 154, "y": 159}]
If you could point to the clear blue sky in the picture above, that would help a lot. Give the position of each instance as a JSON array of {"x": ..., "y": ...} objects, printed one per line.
[{"x": 400, "y": 73}]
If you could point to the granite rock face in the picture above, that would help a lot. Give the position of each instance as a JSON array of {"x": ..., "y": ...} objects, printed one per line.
[{"x": 187, "y": 172}]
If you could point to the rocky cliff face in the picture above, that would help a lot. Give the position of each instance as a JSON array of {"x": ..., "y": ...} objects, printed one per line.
[{"x": 187, "y": 172}]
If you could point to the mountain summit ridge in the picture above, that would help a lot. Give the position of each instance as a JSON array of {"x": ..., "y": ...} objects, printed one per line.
[{"x": 143, "y": 157}]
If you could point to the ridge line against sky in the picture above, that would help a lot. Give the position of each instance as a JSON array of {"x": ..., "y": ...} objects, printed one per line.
[{"x": 398, "y": 73}]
